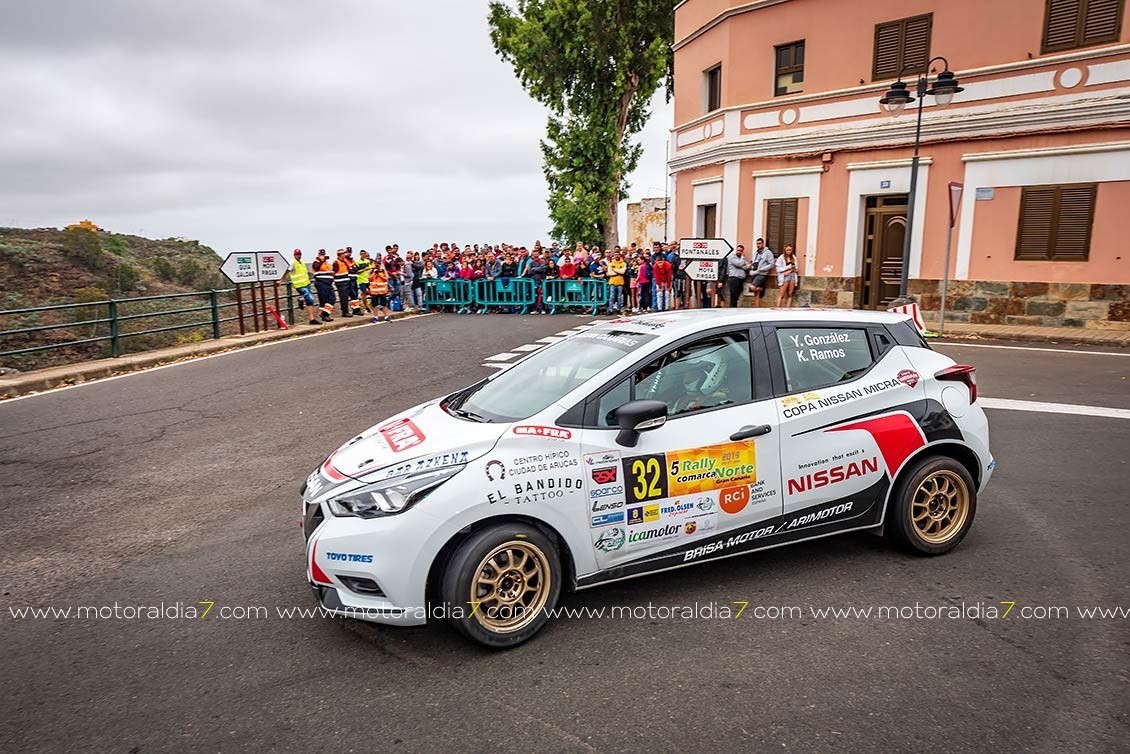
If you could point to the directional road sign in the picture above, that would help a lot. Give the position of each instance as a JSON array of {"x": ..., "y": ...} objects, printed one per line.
[
  {"x": 702, "y": 269},
  {"x": 255, "y": 266},
  {"x": 704, "y": 248}
]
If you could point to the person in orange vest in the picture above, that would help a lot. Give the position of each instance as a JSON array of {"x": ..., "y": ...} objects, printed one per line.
[
  {"x": 342, "y": 283},
  {"x": 324, "y": 285},
  {"x": 378, "y": 293},
  {"x": 354, "y": 286}
]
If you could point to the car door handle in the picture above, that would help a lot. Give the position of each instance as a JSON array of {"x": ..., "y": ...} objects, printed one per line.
[{"x": 747, "y": 432}]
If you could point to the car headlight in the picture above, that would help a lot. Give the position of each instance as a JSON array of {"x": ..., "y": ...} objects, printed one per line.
[{"x": 389, "y": 497}]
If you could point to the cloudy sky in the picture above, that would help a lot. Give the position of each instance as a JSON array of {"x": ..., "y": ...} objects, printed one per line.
[{"x": 273, "y": 124}]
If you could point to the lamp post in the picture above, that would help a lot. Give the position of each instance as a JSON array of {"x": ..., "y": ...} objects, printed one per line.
[{"x": 895, "y": 101}]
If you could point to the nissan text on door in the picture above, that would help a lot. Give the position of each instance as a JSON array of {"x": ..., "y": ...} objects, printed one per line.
[{"x": 638, "y": 446}]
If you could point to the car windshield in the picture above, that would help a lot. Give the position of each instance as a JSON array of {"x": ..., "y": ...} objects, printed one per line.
[{"x": 545, "y": 377}]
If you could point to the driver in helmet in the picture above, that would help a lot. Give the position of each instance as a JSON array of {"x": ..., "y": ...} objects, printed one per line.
[{"x": 702, "y": 387}]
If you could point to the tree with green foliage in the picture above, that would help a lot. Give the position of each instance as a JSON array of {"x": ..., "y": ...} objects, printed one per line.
[{"x": 595, "y": 65}]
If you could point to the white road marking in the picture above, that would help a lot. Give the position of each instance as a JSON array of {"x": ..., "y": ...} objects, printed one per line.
[
  {"x": 528, "y": 347},
  {"x": 497, "y": 366},
  {"x": 1025, "y": 348},
  {"x": 504, "y": 356},
  {"x": 1007, "y": 404},
  {"x": 567, "y": 333},
  {"x": 550, "y": 339}
]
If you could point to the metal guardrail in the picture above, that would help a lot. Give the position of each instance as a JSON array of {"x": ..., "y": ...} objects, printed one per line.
[{"x": 110, "y": 312}]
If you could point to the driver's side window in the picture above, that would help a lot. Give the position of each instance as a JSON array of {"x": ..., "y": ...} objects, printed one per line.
[{"x": 707, "y": 373}]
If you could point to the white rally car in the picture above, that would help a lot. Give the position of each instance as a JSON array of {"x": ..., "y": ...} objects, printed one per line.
[{"x": 641, "y": 445}]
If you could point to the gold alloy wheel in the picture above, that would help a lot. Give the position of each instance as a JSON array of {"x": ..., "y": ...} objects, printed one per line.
[
  {"x": 510, "y": 587},
  {"x": 940, "y": 507}
]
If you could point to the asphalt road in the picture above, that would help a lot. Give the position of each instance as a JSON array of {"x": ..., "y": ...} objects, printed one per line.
[{"x": 179, "y": 485}]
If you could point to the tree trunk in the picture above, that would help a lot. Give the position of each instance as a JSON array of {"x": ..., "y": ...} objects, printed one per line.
[{"x": 612, "y": 211}]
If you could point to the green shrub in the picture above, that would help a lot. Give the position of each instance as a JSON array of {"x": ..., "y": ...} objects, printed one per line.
[{"x": 84, "y": 247}]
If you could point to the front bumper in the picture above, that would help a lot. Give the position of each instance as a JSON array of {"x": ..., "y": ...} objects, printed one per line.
[{"x": 373, "y": 569}]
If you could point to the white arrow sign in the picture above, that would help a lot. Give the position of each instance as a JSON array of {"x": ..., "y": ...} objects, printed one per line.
[
  {"x": 272, "y": 265},
  {"x": 704, "y": 248},
  {"x": 254, "y": 266},
  {"x": 702, "y": 269}
]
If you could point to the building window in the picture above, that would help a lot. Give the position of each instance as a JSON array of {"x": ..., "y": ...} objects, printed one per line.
[
  {"x": 790, "y": 69},
  {"x": 1069, "y": 24},
  {"x": 1055, "y": 223},
  {"x": 707, "y": 220},
  {"x": 712, "y": 88},
  {"x": 780, "y": 224},
  {"x": 899, "y": 44}
]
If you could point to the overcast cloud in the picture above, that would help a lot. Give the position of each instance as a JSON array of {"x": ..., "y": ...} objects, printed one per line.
[{"x": 273, "y": 124}]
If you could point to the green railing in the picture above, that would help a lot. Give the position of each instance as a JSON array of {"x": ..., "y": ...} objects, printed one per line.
[{"x": 114, "y": 322}]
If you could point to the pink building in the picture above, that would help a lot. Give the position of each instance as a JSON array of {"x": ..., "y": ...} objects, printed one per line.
[{"x": 779, "y": 134}]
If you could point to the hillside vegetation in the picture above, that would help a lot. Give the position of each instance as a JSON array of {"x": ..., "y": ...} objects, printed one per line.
[{"x": 82, "y": 263}]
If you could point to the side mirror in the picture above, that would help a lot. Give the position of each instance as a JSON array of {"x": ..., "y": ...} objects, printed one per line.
[{"x": 639, "y": 416}]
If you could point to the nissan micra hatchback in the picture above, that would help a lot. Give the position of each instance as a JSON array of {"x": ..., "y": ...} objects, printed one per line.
[{"x": 640, "y": 445}]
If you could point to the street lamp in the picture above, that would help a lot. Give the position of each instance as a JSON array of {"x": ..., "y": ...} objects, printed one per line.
[{"x": 895, "y": 102}]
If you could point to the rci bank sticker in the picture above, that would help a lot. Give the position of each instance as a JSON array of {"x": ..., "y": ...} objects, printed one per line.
[{"x": 690, "y": 471}]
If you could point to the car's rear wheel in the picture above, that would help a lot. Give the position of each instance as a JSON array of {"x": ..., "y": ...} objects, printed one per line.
[
  {"x": 933, "y": 506},
  {"x": 500, "y": 584}
]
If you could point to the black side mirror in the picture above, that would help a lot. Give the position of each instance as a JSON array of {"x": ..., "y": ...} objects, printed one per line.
[{"x": 639, "y": 416}]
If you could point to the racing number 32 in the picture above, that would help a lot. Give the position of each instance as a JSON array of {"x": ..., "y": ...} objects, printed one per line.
[{"x": 648, "y": 477}]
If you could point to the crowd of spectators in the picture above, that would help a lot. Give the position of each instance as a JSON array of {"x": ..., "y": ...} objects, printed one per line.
[{"x": 640, "y": 279}]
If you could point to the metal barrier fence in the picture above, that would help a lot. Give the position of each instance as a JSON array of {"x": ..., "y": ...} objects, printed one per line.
[
  {"x": 511, "y": 292},
  {"x": 119, "y": 320},
  {"x": 454, "y": 293},
  {"x": 581, "y": 294}
]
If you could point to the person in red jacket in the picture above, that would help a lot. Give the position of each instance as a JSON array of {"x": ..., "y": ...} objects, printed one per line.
[
  {"x": 568, "y": 270},
  {"x": 664, "y": 275}
]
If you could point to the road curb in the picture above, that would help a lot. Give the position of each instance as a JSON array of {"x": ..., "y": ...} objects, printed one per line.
[{"x": 40, "y": 380}]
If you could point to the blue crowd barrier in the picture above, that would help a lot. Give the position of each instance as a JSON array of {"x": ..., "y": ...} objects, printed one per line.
[
  {"x": 509, "y": 292},
  {"x": 454, "y": 293},
  {"x": 580, "y": 294}
]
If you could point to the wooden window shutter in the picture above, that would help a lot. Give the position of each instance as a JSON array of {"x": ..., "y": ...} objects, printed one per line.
[
  {"x": 886, "y": 65},
  {"x": 788, "y": 223},
  {"x": 1102, "y": 22},
  {"x": 1069, "y": 24},
  {"x": 916, "y": 42},
  {"x": 1062, "y": 24},
  {"x": 1074, "y": 218},
  {"x": 773, "y": 225},
  {"x": 899, "y": 44},
  {"x": 1055, "y": 223},
  {"x": 780, "y": 224},
  {"x": 1033, "y": 237}
]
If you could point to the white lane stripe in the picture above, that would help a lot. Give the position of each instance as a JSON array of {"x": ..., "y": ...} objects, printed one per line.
[
  {"x": 528, "y": 347},
  {"x": 497, "y": 366},
  {"x": 1025, "y": 348},
  {"x": 1054, "y": 408},
  {"x": 550, "y": 339},
  {"x": 504, "y": 356},
  {"x": 197, "y": 359},
  {"x": 567, "y": 333}
]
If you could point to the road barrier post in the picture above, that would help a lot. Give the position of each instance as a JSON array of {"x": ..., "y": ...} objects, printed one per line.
[
  {"x": 239, "y": 307},
  {"x": 215, "y": 304},
  {"x": 289, "y": 302},
  {"x": 115, "y": 341}
]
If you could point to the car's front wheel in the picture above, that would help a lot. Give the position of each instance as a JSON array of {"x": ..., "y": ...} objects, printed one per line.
[
  {"x": 500, "y": 584},
  {"x": 933, "y": 506}
]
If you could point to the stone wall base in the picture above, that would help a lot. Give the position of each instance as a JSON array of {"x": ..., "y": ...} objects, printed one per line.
[{"x": 986, "y": 302}]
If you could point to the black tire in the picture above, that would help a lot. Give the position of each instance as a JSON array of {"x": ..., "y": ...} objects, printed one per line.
[
  {"x": 490, "y": 620},
  {"x": 917, "y": 520}
]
